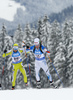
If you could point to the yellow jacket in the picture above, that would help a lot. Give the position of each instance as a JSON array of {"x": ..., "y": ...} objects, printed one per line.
[{"x": 16, "y": 57}]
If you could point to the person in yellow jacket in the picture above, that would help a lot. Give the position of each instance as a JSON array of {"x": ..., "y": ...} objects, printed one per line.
[{"x": 17, "y": 63}]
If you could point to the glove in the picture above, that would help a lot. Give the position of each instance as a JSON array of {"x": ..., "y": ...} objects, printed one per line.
[
  {"x": 5, "y": 51},
  {"x": 27, "y": 47},
  {"x": 48, "y": 53}
]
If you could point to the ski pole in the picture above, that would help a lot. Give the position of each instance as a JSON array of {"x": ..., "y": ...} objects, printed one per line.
[
  {"x": 27, "y": 60},
  {"x": 56, "y": 71},
  {"x": 4, "y": 60},
  {"x": 4, "y": 65}
]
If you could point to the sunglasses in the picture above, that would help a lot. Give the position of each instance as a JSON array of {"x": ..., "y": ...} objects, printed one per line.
[{"x": 15, "y": 48}]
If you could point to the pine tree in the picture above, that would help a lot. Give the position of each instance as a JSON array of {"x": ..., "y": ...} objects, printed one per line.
[
  {"x": 70, "y": 54},
  {"x": 44, "y": 29},
  {"x": 9, "y": 44},
  {"x": 18, "y": 36},
  {"x": 59, "y": 62},
  {"x": 35, "y": 33},
  {"x": 28, "y": 38},
  {"x": 6, "y": 43},
  {"x": 66, "y": 38},
  {"x": 54, "y": 38},
  {"x": 2, "y": 46},
  {"x": 53, "y": 42}
]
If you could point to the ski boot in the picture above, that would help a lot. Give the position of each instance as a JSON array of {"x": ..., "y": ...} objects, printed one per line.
[
  {"x": 13, "y": 87},
  {"x": 52, "y": 85},
  {"x": 38, "y": 86},
  {"x": 26, "y": 85}
]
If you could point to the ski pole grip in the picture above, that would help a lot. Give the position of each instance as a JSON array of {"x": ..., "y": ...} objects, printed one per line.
[{"x": 49, "y": 58}]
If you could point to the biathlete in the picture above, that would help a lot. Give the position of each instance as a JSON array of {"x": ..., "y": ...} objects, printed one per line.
[
  {"x": 40, "y": 61},
  {"x": 17, "y": 63}
]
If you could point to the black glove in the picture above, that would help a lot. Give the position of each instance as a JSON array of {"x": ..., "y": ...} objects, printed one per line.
[
  {"x": 27, "y": 47},
  {"x": 5, "y": 51}
]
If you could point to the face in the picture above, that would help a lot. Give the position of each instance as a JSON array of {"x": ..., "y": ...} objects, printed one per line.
[
  {"x": 37, "y": 46},
  {"x": 15, "y": 50}
]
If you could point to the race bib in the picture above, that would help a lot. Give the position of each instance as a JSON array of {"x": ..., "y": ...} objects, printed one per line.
[
  {"x": 16, "y": 59},
  {"x": 38, "y": 56}
]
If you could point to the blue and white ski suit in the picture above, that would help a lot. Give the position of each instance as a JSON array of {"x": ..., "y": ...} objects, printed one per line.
[{"x": 40, "y": 62}]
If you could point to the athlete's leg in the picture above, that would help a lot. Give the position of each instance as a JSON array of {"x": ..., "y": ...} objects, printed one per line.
[
  {"x": 37, "y": 68},
  {"x": 15, "y": 69},
  {"x": 45, "y": 68},
  {"x": 23, "y": 72}
]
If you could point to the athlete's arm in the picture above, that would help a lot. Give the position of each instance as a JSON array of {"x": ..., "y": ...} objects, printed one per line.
[
  {"x": 45, "y": 50},
  {"x": 7, "y": 53},
  {"x": 30, "y": 49}
]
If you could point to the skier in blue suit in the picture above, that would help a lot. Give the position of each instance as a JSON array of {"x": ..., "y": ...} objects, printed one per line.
[{"x": 40, "y": 61}]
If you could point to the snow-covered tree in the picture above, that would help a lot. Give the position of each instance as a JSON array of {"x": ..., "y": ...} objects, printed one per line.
[
  {"x": 54, "y": 38},
  {"x": 2, "y": 46},
  {"x": 59, "y": 62},
  {"x": 44, "y": 29},
  {"x": 6, "y": 43},
  {"x": 18, "y": 36},
  {"x": 53, "y": 45},
  {"x": 28, "y": 38},
  {"x": 69, "y": 67},
  {"x": 66, "y": 38},
  {"x": 35, "y": 33}
]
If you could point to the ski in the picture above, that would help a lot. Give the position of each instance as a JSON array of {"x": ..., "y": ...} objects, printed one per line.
[{"x": 52, "y": 85}]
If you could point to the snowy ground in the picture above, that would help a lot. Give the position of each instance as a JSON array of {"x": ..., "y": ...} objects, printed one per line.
[
  {"x": 8, "y": 9},
  {"x": 37, "y": 94}
]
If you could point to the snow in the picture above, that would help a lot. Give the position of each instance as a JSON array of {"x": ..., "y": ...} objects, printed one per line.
[
  {"x": 37, "y": 94},
  {"x": 8, "y": 9}
]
